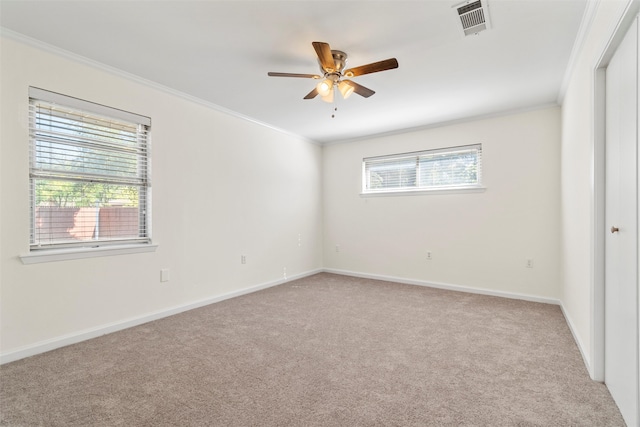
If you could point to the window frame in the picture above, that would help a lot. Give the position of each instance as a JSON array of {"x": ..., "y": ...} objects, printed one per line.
[
  {"x": 58, "y": 250},
  {"x": 418, "y": 188}
]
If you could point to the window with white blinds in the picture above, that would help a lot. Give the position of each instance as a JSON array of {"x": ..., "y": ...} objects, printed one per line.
[
  {"x": 89, "y": 173},
  {"x": 445, "y": 168}
]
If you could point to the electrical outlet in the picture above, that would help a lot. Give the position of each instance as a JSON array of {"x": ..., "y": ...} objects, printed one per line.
[
  {"x": 164, "y": 275},
  {"x": 285, "y": 273},
  {"x": 299, "y": 240},
  {"x": 529, "y": 263},
  {"x": 429, "y": 258},
  {"x": 243, "y": 259},
  {"x": 337, "y": 248}
]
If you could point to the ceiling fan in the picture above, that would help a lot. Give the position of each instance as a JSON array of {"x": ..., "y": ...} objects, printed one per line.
[{"x": 332, "y": 64}]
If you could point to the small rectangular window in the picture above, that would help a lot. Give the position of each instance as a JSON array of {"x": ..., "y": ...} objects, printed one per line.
[
  {"x": 446, "y": 168},
  {"x": 89, "y": 173}
]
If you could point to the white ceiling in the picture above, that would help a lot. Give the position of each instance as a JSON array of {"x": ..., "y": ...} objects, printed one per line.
[{"x": 221, "y": 51}]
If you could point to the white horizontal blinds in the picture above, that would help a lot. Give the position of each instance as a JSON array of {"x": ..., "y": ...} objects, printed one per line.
[
  {"x": 393, "y": 173},
  {"x": 455, "y": 167},
  {"x": 89, "y": 176}
]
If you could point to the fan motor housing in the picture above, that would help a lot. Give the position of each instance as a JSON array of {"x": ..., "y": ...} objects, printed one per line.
[{"x": 340, "y": 59}]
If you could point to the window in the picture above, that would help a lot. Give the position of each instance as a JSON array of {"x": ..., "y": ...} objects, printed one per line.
[
  {"x": 89, "y": 173},
  {"x": 446, "y": 168}
]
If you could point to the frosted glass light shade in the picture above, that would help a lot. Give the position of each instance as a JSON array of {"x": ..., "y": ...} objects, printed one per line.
[
  {"x": 324, "y": 87},
  {"x": 345, "y": 89},
  {"x": 328, "y": 97}
]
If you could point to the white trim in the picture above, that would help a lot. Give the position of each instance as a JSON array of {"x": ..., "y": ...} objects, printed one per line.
[
  {"x": 4, "y": 32},
  {"x": 617, "y": 32},
  {"x": 585, "y": 26},
  {"x": 445, "y": 123},
  {"x": 76, "y": 337},
  {"x": 73, "y": 338},
  {"x": 87, "y": 106},
  {"x": 422, "y": 192},
  {"x": 598, "y": 228},
  {"x": 51, "y": 255},
  {"x": 446, "y": 286},
  {"x": 583, "y": 350}
]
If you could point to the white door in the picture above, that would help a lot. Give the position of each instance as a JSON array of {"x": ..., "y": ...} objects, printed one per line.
[{"x": 621, "y": 252}]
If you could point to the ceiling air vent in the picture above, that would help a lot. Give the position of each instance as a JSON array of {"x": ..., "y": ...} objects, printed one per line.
[{"x": 473, "y": 16}]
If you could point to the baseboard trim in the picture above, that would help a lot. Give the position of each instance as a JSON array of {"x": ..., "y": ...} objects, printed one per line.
[
  {"x": 65, "y": 340},
  {"x": 87, "y": 334},
  {"x": 459, "y": 288},
  {"x": 446, "y": 286},
  {"x": 576, "y": 338}
]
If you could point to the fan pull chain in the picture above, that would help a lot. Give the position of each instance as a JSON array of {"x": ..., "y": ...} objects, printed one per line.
[{"x": 335, "y": 107}]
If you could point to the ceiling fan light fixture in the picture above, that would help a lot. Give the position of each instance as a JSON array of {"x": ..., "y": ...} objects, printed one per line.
[
  {"x": 332, "y": 64},
  {"x": 325, "y": 86},
  {"x": 328, "y": 97},
  {"x": 345, "y": 89}
]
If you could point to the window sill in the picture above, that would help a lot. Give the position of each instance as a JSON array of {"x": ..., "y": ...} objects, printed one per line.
[
  {"x": 438, "y": 191},
  {"x": 52, "y": 255}
]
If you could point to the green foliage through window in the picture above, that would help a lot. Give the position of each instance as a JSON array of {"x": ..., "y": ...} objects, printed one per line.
[
  {"x": 456, "y": 167},
  {"x": 89, "y": 174}
]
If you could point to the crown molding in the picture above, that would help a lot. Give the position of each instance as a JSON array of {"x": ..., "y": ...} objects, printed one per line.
[
  {"x": 585, "y": 26},
  {"x": 445, "y": 123},
  {"x": 38, "y": 44}
]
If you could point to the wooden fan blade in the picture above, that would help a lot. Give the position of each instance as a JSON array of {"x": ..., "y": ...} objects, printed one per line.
[
  {"x": 325, "y": 56},
  {"x": 312, "y": 94},
  {"x": 359, "y": 89},
  {"x": 309, "y": 76},
  {"x": 374, "y": 67}
]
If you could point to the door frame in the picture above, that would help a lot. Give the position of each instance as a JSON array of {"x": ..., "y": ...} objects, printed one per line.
[{"x": 598, "y": 226}]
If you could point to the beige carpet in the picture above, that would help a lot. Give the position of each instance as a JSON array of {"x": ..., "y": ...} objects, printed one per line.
[{"x": 326, "y": 350}]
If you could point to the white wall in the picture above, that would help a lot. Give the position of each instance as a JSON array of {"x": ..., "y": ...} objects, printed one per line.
[
  {"x": 577, "y": 160},
  {"x": 222, "y": 187},
  {"x": 478, "y": 240}
]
